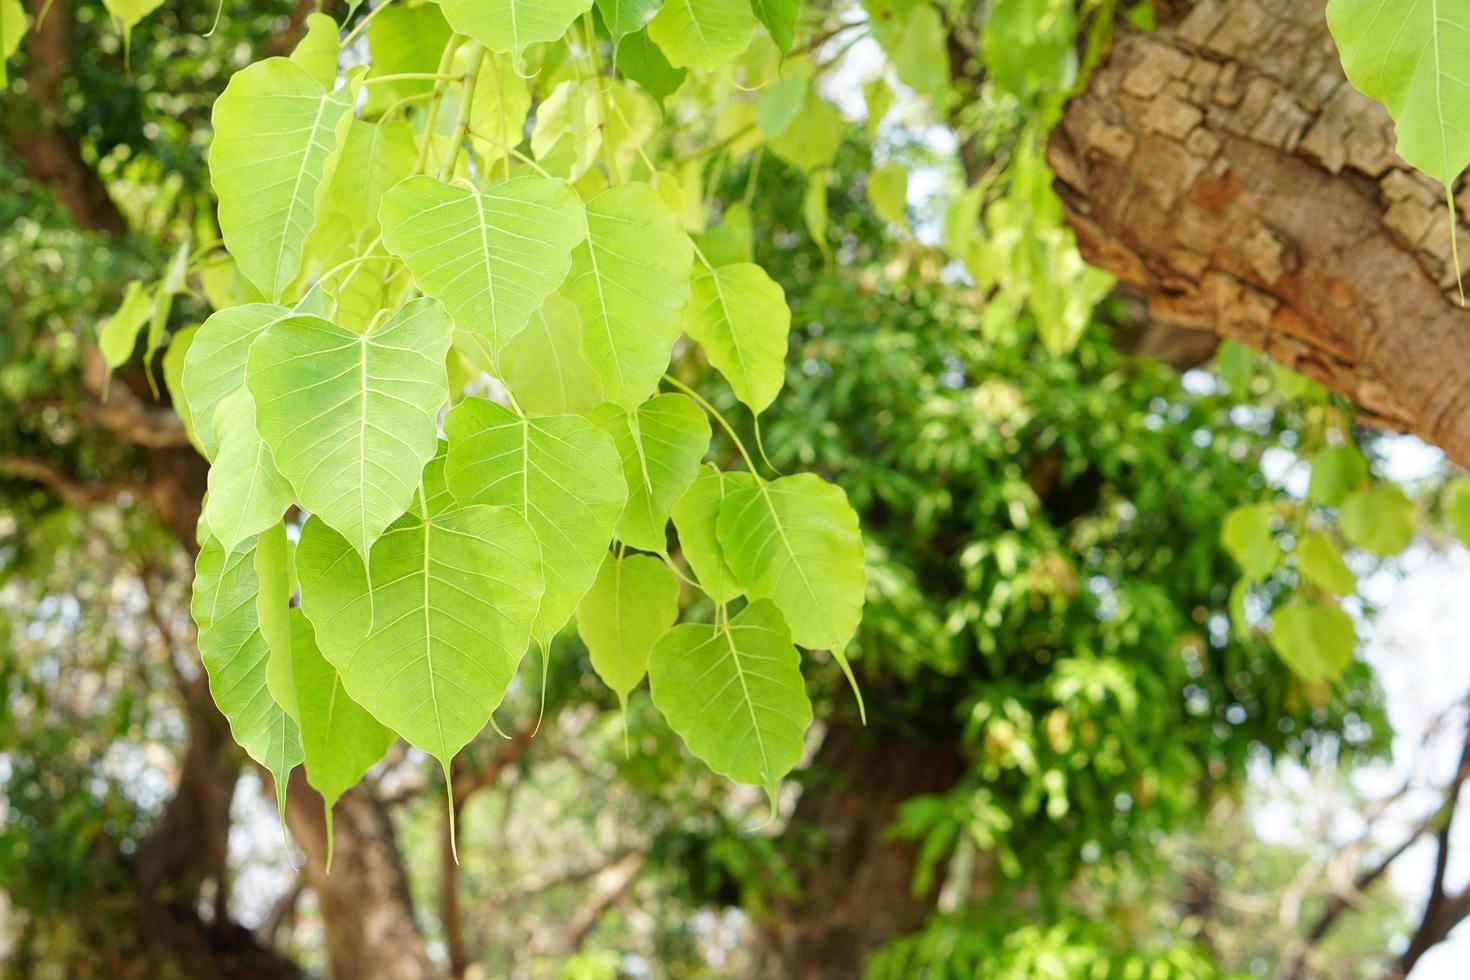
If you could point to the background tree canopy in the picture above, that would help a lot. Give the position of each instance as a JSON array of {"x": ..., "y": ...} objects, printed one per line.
[{"x": 993, "y": 394}]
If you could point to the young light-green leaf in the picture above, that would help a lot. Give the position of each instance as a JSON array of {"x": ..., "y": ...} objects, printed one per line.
[
  {"x": 696, "y": 518},
  {"x": 1379, "y": 519},
  {"x": 633, "y": 602},
  {"x": 350, "y": 418},
  {"x": 543, "y": 365},
  {"x": 235, "y": 655},
  {"x": 1246, "y": 535},
  {"x": 317, "y": 51},
  {"x": 277, "y": 136},
  {"x": 12, "y": 29},
  {"x": 623, "y": 17},
  {"x": 376, "y": 156},
  {"x": 660, "y": 443},
  {"x": 780, "y": 18},
  {"x": 630, "y": 282},
  {"x": 118, "y": 335},
  {"x": 428, "y": 644},
  {"x": 1320, "y": 562},
  {"x": 513, "y": 25},
  {"x": 1316, "y": 642},
  {"x": 734, "y": 694},
  {"x": 247, "y": 494},
  {"x": 739, "y": 314},
  {"x": 1414, "y": 57},
  {"x": 795, "y": 541},
  {"x": 491, "y": 257},
  {"x": 702, "y": 33},
  {"x": 214, "y": 367},
  {"x": 561, "y": 473}
]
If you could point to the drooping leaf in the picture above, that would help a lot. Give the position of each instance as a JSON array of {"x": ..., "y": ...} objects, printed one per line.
[
  {"x": 702, "y": 33},
  {"x": 739, "y": 314},
  {"x": 633, "y": 602},
  {"x": 1320, "y": 562},
  {"x": 1414, "y": 57},
  {"x": 879, "y": 99},
  {"x": 498, "y": 112},
  {"x": 920, "y": 52},
  {"x": 1336, "y": 473},
  {"x": 781, "y": 102},
  {"x": 129, "y": 14},
  {"x": 247, "y": 494},
  {"x": 317, "y": 50},
  {"x": 273, "y": 569},
  {"x": 795, "y": 541},
  {"x": 352, "y": 418},
  {"x": 543, "y": 365},
  {"x": 511, "y": 26},
  {"x": 734, "y": 694},
  {"x": 169, "y": 285},
  {"x": 118, "y": 335},
  {"x": 569, "y": 126},
  {"x": 1379, "y": 519},
  {"x": 696, "y": 518},
  {"x": 12, "y": 29},
  {"x": 428, "y": 644},
  {"x": 624, "y": 17},
  {"x": 1457, "y": 509},
  {"x": 173, "y": 379},
  {"x": 1316, "y": 642},
  {"x": 1246, "y": 535},
  {"x": 492, "y": 258},
  {"x": 810, "y": 141},
  {"x": 339, "y": 739},
  {"x": 660, "y": 443},
  {"x": 644, "y": 62},
  {"x": 214, "y": 368},
  {"x": 235, "y": 654},
  {"x": 888, "y": 189},
  {"x": 561, "y": 473},
  {"x": 277, "y": 136},
  {"x": 780, "y": 17},
  {"x": 630, "y": 282}
]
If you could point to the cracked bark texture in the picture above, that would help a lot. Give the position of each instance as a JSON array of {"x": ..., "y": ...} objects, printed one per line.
[{"x": 1223, "y": 167}]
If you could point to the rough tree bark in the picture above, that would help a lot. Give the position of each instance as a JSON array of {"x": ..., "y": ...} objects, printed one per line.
[
  {"x": 1223, "y": 167},
  {"x": 856, "y": 889}
]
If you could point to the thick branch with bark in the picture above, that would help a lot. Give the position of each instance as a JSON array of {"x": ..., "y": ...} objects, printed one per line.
[{"x": 1223, "y": 167}]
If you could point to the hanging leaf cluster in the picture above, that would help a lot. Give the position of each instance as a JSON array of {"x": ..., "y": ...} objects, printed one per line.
[{"x": 435, "y": 397}]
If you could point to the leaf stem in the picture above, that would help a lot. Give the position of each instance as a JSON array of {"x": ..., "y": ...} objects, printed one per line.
[
  {"x": 446, "y": 60},
  {"x": 362, "y": 24},
  {"x": 466, "y": 102},
  {"x": 410, "y": 76},
  {"x": 715, "y": 413},
  {"x": 511, "y": 151}
]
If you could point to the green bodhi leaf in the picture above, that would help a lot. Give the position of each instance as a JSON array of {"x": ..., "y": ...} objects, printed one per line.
[
  {"x": 491, "y": 257},
  {"x": 543, "y": 365},
  {"x": 351, "y": 418},
  {"x": 795, "y": 541},
  {"x": 511, "y": 26},
  {"x": 623, "y": 17},
  {"x": 702, "y": 33},
  {"x": 317, "y": 51},
  {"x": 235, "y": 655},
  {"x": 214, "y": 367},
  {"x": 1316, "y": 642},
  {"x": 339, "y": 739},
  {"x": 739, "y": 314},
  {"x": 633, "y": 602},
  {"x": 118, "y": 335},
  {"x": 561, "y": 473},
  {"x": 247, "y": 494},
  {"x": 780, "y": 18},
  {"x": 661, "y": 444},
  {"x": 277, "y": 135},
  {"x": 1335, "y": 474},
  {"x": 1457, "y": 509},
  {"x": 630, "y": 282},
  {"x": 1246, "y": 535},
  {"x": 696, "y": 518},
  {"x": 12, "y": 29},
  {"x": 1379, "y": 519},
  {"x": 641, "y": 60},
  {"x": 734, "y": 693},
  {"x": 429, "y": 640},
  {"x": 1320, "y": 562}
]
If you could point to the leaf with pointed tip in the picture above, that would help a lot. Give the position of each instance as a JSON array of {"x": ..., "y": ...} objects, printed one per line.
[
  {"x": 12, "y": 29},
  {"x": 277, "y": 136},
  {"x": 633, "y": 602},
  {"x": 696, "y": 518},
  {"x": 630, "y": 281},
  {"x": 543, "y": 365},
  {"x": 272, "y": 609},
  {"x": 118, "y": 335},
  {"x": 795, "y": 541},
  {"x": 171, "y": 284},
  {"x": 429, "y": 643},
  {"x": 780, "y": 18},
  {"x": 128, "y": 14},
  {"x": 235, "y": 655},
  {"x": 740, "y": 316},
  {"x": 624, "y": 17},
  {"x": 702, "y": 33},
  {"x": 562, "y": 473},
  {"x": 513, "y": 25},
  {"x": 247, "y": 494},
  {"x": 493, "y": 257},
  {"x": 1414, "y": 57},
  {"x": 352, "y": 418},
  {"x": 214, "y": 367},
  {"x": 1316, "y": 642},
  {"x": 339, "y": 739},
  {"x": 661, "y": 444},
  {"x": 734, "y": 694},
  {"x": 1319, "y": 560},
  {"x": 317, "y": 51},
  {"x": 644, "y": 62},
  {"x": 173, "y": 379}
]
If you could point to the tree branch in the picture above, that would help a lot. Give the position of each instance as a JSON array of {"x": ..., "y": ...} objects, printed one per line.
[{"x": 71, "y": 489}]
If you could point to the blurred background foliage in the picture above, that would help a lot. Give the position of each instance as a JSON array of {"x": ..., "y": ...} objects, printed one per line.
[{"x": 1065, "y": 686}]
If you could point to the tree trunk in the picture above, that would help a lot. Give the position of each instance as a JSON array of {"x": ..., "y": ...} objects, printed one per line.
[
  {"x": 1223, "y": 166},
  {"x": 367, "y": 913},
  {"x": 856, "y": 884}
]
